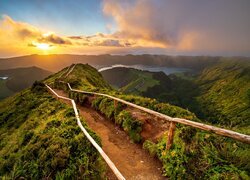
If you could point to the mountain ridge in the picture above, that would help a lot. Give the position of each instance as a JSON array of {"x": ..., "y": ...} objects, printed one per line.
[
  {"x": 56, "y": 62},
  {"x": 192, "y": 151}
]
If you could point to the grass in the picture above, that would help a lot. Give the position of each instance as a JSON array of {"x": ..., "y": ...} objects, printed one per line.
[
  {"x": 140, "y": 82},
  {"x": 4, "y": 90},
  {"x": 38, "y": 120},
  {"x": 195, "y": 154},
  {"x": 39, "y": 138}
]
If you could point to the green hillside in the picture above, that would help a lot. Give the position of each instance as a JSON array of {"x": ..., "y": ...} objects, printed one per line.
[
  {"x": 83, "y": 77},
  {"x": 130, "y": 80},
  {"x": 225, "y": 93},
  {"x": 19, "y": 79},
  {"x": 195, "y": 154},
  {"x": 40, "y": 138},
  {"x": 144, "y": 83},
  {"x": 219, "y": 94},
  {"x": 4, "y": 90}
]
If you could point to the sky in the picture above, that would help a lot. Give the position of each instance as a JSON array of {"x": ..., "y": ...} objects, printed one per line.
[{"x": 183, "y": 27}]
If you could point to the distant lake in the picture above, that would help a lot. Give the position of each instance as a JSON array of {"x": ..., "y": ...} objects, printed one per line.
[
  {"x": 166, "y": 70},
  {"x": 4, "y": 77}
]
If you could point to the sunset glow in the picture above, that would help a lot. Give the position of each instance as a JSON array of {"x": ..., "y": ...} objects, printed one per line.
[{"x": 125, "y": 27}]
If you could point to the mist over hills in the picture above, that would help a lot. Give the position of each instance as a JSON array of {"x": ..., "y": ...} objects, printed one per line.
[{"x": 57, "y": 62}]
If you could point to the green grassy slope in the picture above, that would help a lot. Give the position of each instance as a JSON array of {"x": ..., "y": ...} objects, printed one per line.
[
  {"x": 137, "y": 82},
  {"x": 225, "y": 93},
  {"x": 39, "y": 138},
  {"x": 4, "y": 90},
  {"x": 84, "y": 77},
  {"x": 194, "y": 155},
  {"x": 21, "y": 78}
]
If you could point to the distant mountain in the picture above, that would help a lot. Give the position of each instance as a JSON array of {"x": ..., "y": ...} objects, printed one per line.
[
  {"x": 19, "y": 79},
  {"x": 56, "y": 62},
  {"x": 139, "y": 82}
]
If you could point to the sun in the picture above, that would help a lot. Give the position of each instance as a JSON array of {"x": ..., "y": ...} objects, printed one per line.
[{"x": 43, "y": 46}]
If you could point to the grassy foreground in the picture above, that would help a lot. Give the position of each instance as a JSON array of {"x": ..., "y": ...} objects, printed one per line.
[{"x": 40, "y": 139}]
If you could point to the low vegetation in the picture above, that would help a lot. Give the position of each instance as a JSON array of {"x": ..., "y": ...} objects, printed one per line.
[
  {"x": 40, "y": 139},
  {"x": 195, "y": 154}
]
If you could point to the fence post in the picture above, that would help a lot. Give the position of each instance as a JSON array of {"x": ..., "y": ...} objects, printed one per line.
[
  {"x": 115, "y": 103},
  {"x": 170, "y": 135}
]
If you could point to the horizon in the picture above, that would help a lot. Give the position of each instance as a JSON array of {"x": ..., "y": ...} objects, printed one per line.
[
  {"x": 98, "y": 27},
  {"x": 180, "y": 55}
]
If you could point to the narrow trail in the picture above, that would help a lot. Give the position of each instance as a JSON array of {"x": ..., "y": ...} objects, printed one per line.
[{"x": 131, "y": 160}]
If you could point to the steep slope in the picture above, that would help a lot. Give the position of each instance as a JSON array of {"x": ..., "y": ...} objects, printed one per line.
[
  {"x": 194, "y": 154},
  {"x": 219, "y": 94},
  {"x": 4, "y": 90},
  {"x": 130, "y": 80},
  {"x": 225, "y": 93},
  {"x": 21, "y": 78},
  {"x": 39, "y": 139},
  {"x": 82, "y": 77},
  {"x": 158, "y": 85}
]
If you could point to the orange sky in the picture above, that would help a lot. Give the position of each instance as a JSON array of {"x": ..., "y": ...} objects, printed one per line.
[{"x": 158, "y": 27}]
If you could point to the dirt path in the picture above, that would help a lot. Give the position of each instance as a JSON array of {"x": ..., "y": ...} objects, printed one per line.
[{"x": 131, "y": 160}]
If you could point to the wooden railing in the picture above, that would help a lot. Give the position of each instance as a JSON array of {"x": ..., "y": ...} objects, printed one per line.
[
  {"x": 99, "y": 149},
  {"x": 220, "y": 131}
]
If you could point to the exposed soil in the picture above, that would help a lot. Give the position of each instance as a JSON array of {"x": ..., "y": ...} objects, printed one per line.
[
  {"x": 131, "y": 160},
  {"x": 153, "y": 127}
]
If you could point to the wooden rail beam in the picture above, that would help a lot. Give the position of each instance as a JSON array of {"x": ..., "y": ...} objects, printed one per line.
[
  {"x": 98, "y": 148},
  {"x": 220, "y": 131},
  {"x": 115, "y": 103}
]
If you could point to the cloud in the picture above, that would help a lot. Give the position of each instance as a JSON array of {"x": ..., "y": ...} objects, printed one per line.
[
  {"x": 186, "y": 26},
  {"x": 23, "y": 33},
  {"x": 144, "y": 26},
  {"x": 54, "y": 39}
]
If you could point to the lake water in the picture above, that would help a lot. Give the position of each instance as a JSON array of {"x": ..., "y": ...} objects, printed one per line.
[
  {"x": 4, "y": 77},
  {"x": 166, "y": 70}
]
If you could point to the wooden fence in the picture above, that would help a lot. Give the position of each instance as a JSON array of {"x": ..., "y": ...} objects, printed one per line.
[
  {"x": 220, "y": 131},
  {"x": 99, "y": 149}
]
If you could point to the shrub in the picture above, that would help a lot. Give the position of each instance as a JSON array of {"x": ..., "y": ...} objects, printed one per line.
[
  {"x": 130, "y": 125},
  {"x": 150, "y": 147}
]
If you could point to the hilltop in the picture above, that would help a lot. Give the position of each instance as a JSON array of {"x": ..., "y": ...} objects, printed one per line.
[
  {"x": 139, "y": 82},
  {"x": 40, "y": 138},
  {"x": 19, "y": 79}
]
